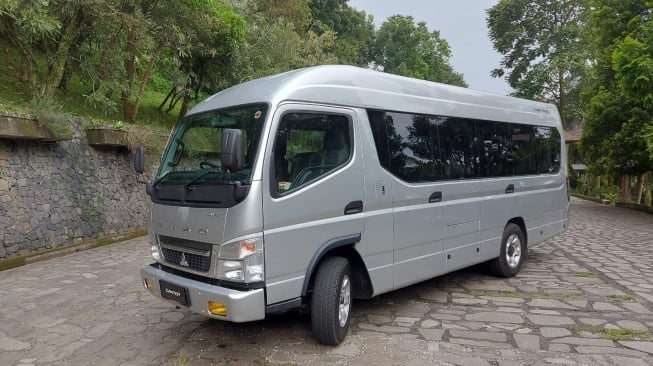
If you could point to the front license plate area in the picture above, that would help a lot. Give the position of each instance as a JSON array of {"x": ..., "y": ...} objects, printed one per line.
[{"x": 174, "y": 292}]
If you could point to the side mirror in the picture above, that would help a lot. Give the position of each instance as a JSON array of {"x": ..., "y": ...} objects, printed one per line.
[
  {"x": 139, "y": 160},
  {"x": 231, "y": 156},
  {"x": 139, "y": 167}
]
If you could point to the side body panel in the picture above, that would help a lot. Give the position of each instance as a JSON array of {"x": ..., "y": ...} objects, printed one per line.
[
  {"x": 463, "y": 202},
  {"x": 376, "y": 245},
  {"x": 418, "y": 233}
]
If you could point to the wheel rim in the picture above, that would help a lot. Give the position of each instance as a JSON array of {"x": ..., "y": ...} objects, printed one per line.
[
  {"x": 513, "y": 251},
  {"x": 345, "y": 301}
]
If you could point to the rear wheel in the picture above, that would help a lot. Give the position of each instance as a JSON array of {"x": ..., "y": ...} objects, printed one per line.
[
  {"x": 512, "y": 253},
  {"x": 331, "y": 303}
]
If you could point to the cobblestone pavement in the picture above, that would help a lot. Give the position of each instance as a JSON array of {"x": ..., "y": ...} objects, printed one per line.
[{"x": 575, "y": 291}]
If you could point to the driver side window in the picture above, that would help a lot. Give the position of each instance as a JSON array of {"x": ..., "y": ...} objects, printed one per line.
[{"x": 309, "y": 146}]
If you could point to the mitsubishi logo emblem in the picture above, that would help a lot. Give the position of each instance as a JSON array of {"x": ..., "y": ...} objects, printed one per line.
[{"x": 183, "y": 262}]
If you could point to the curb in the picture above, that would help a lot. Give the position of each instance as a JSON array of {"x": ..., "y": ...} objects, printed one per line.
[
  {"x": 630, "y": 206},
  {"x": 39, "y": 256}
]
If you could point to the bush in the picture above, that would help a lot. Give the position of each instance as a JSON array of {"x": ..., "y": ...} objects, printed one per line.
[
  {"x": 586, "y": 185},
  {"x": 610, "y": 193},
  {"x": 50, "y": 114}
]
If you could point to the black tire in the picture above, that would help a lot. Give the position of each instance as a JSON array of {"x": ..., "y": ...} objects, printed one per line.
[
  {"x": 329, "y": 325},
  {"x": 512, "y": 254}
]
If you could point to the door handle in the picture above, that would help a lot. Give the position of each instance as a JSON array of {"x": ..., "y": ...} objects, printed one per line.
[
  {"x": 435, "y": 197},
  {"x": 510, "y": 188},
  {"x": 354, "y": 207}
]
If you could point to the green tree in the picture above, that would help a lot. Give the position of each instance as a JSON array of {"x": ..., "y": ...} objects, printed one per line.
[
  {"x": 354, "y": 30},
  {"x": 46, "y": 30},
  {"x": 189, "y": 41},
  {"x": 25, "y": 23},
  {"x": 632, "y": 62},
  {"x": 273, "y": 45},
  {"x": 544, "y": 53},
  {"x": 295, "y": 12},
  {"x": 405, "y": 48},
  {"x": 213, "y": 31},
  {"x": 618, "y": 99}
]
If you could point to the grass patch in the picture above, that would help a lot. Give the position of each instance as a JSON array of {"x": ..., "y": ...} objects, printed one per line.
[
  {"x": 475, "y": 292},
  {"x": 181, "y": 360},
  {"x": 622, "y": 334},
  {"x": 588, "y": 274},
  {"x": 529, "y": 295},
  {"x": 621, "y": 298}
]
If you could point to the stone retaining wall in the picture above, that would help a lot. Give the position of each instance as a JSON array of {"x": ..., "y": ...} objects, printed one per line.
[{"x": 54, "y": 194}]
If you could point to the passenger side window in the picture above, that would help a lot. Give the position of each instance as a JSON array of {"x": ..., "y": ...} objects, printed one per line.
[
  {"x": 407, "y": 145},
  {"x": 494, "y": 138},
  {"x": 524, "y": 157},
  {"x": 309, "y": 146},
  {"x": 547, "y": 140},
  {"x": 422, "y": 148},
  {"x": 460, "y": 148}
]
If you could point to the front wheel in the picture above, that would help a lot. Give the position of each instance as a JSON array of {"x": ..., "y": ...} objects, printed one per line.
[
  {"x": 331, "y": 303},
  {"x": 512, "y": 253}
]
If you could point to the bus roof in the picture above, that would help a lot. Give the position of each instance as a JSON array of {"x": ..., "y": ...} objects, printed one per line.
[{"x": 352, "y": 86}]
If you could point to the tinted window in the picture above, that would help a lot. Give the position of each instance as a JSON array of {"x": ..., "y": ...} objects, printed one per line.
[
  {"x": 407, "y": 145},
  {"x": 419, "y": 148},
  {"x": 494, "y": 138},
  {"x": 547, "y": 142},
  {"x": 308, "y": 146},
  {"x": 524, "y": 156},
  {"x": 460, "y": 148}
]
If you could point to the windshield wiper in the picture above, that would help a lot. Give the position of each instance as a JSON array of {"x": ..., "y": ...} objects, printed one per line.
[{"x": 189, "y": 186}]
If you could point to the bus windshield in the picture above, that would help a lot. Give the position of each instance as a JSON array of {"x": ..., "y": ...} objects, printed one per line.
[{"x": 193, "y": 154}]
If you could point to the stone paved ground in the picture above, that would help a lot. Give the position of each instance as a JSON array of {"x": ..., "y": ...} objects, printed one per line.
[{"x": 89, "y": 309}]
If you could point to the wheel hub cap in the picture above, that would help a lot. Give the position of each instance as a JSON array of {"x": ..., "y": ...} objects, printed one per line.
[
  {"x": 513, "y": 251},
  {"x": 345, "y": 301}
]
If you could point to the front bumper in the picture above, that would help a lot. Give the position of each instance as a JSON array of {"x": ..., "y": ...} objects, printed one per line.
[{"x": 242, "y": 306}]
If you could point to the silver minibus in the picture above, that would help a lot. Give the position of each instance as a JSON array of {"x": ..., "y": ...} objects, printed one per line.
[{"x": 312, "y": 188}]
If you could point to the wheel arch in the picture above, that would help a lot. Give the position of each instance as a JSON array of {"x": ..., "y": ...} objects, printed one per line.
[
  {"x": 344, "y": 246},
  {"x": 519, "y": 221}
]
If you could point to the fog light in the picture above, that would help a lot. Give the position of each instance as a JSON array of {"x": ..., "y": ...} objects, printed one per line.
[
  {"x": 148, "y": 284},
  {"x": 217, "y": 308}
]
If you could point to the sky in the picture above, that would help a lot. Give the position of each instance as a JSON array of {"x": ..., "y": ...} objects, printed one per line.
[{"x": 461, "y": 23}]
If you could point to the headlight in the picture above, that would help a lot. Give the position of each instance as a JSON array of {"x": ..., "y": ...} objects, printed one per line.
[
  {"x": 156, "y": 253},
  {"x": 242, "y": 260}
]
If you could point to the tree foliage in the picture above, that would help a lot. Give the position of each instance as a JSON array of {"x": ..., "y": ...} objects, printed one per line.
[
  {"x": 212, "y": 33},
  {"x": 632, "y": 62},
  {"x": 354, "y": 30},
  {"x": 121, "y": 49},
  {"x": 618, "y": 101},
  {"x": 544, "y": 50},
  {"x": 44, "y": 30},
  {"x": 405, "y": 48},
  {"x": 274, "y": 44}
]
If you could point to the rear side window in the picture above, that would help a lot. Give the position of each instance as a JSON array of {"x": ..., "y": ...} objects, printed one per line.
[
  {"x": 309, "y": 146},
  {"x": 460, "y": 148},
  {"x": 422, "y": 148}
]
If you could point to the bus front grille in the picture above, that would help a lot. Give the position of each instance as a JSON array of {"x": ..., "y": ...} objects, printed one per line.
[{"x": 185, "y": 253}]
